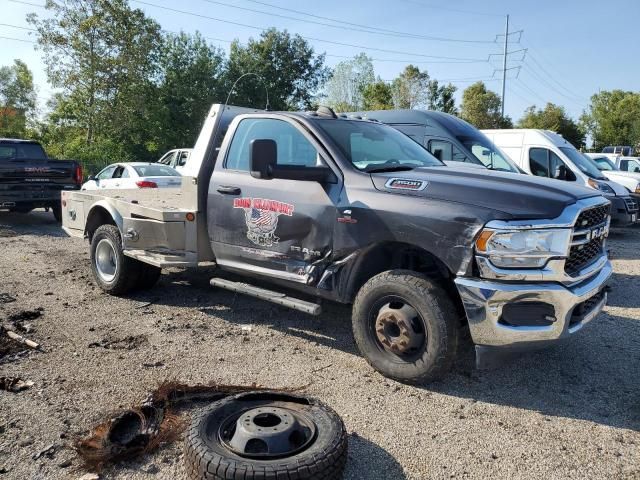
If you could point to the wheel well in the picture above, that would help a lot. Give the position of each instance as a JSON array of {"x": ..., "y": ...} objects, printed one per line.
[
  {"x": 97, "y": 217},
  {"x": 392, "y": 256}
]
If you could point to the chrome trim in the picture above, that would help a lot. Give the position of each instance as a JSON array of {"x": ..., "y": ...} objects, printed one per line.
[
  {"x": 292, "y": 277},
  {"x": 484, "y": 300},
  {"x": 423, "y": 184},
  {"x": 553, "y": 271},
  {"x": 565, "y": 220}
]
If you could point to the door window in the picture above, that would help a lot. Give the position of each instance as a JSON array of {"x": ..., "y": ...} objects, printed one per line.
[
  {"x": 545, "y": 163},
  {"x": 106, "y": 173},
  {"x": 441, "y": 150},
  {"x": 121, "y": 172},
  {"x": 293, "y": 147},
  {"x": 182, "y": 160},
  {"x": 168, "y": 158}
]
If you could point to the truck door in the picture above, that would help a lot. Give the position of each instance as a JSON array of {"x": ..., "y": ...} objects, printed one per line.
[{"x": 281, "y": 228}]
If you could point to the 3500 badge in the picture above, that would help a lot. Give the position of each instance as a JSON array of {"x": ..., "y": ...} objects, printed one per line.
[{"x": 261, "y": 216}]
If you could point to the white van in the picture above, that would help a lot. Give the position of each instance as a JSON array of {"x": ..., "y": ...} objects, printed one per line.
[{"x": 546, "y": 154}]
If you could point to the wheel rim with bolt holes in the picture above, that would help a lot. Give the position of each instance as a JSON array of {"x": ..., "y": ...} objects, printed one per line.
[
  {"x": 106, "y": 260},
  {"x": 398, "y": 328},
  {"x": 267, "y": 432}
]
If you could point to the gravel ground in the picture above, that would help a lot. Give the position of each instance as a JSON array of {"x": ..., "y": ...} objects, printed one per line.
[{"x": 568, "y": 412}]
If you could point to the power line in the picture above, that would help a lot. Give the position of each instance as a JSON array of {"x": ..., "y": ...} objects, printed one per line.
[
  {"x": 17, "y": 39},
  {"x": 349, "y": 25},
  {"x": 331, "y": 42},
  {"x": 17, "y": 26},
  {"x": 438, "y": 7},
  {"x": 541, "y": 79},
  {"x": 554, "y": 79}
]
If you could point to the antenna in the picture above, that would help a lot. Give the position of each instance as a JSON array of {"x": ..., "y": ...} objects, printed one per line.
[{"x": 266, "y": 107}]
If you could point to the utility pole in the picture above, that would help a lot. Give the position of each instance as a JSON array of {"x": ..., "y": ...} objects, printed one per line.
[{"x": 504, "y": 62}]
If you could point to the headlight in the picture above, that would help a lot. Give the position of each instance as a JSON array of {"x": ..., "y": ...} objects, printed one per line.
[
  {"x": 523, "y": 248},
  {"x": 601, "y": 186}
]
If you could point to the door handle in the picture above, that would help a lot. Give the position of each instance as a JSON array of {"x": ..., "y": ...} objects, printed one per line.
[{"x": 228, "y": 190}]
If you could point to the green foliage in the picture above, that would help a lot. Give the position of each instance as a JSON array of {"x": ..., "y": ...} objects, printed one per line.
[
  {"x": 481, "y": 108},
  {"x": 17, "y": 99},
  {"x": 613, "y": 118},
  {"x": 287, "y": 67},
  {"x": 441, "y": 98},
  {"x": 377, "y": 96},
  {"x": 191, "y": 79},
  {"x": 553, "y": 117},
  {"x": 411, "y": 88},
  {"x": 344, "y": 90},
  {"x": 103, "y": 55}
]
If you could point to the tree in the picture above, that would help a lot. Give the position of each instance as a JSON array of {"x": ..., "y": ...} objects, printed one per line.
[
  {"x": 286, "y": 65},
  {"x": 481, "y": 108},
  {"x": 191, "y": 79},
  {"x": 553, "y": 117},
  {"x": 441, "y": 98},
  {"x": 103, "y": 56},
  {"x": 344, "y": 88},
  {"x": 411, "y": 88},
  {"x": 377, "y": 96},
  {"x": 17, "y": 99},
  {"x": 613, "y": 118}
]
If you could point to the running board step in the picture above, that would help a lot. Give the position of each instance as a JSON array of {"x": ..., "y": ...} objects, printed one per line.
[{"x": 268, "y": 295}]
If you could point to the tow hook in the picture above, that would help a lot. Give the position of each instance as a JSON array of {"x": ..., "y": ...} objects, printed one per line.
[{"x": 132, "y": 235}]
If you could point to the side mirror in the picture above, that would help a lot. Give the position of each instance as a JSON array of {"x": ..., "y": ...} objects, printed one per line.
[
  {"x": 91, "y": 178},
  {"x": 264, "y": 157},
  {"x": 561, "y": 172}
]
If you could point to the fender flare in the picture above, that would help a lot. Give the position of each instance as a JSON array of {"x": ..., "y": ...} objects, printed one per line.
[{"x": 106, "y": 207}]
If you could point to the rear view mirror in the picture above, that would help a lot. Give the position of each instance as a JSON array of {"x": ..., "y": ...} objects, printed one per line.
[{"x": 264, "y": 156}]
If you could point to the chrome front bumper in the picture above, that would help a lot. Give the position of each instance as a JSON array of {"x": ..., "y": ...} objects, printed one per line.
[{"x": 484, "y": 300}]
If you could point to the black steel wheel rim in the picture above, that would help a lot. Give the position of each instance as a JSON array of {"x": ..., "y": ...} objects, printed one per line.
[
  {"x": 416, "y": 330},
  {"x": 267, "y": 432}
]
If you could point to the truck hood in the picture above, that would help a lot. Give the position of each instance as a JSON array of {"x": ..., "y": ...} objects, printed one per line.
[
  {"x": 613, "y": 174},
  {"x": 516, "y": 195}
]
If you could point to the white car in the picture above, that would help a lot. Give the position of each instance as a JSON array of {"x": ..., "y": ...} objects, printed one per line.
[
  {"x": 176, "y": 158},
  {"x": 629, "y": 180},
  {"x": 134, "y": 175}
]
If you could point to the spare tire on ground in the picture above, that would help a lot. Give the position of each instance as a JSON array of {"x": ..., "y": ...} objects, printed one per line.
[{"x": 266, "y": 435}]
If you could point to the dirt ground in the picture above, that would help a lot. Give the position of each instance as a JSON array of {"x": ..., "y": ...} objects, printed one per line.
[{"x": 572, "y": 411}]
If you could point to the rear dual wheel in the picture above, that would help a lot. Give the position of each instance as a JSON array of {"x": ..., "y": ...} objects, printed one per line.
[
  {"x": 405, "y": 326},
  {"x": 113, "y": 271}
]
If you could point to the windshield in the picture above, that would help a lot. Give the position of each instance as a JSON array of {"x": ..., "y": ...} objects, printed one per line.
[
  {"x": 585, "y": 164},
  {"x": 482, "y": 148},
  {"x": 21, "y": 151},
  {"x": 374, "y": 147},
  {"x": 603, "y": 163},
  {"x": 155, "y": 170}
]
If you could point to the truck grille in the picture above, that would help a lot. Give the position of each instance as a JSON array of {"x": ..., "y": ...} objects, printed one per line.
[
  {"x": 585, "y": 308},
  {"x": 587, "y": 248},
  {"x": 632, "y": 205}
]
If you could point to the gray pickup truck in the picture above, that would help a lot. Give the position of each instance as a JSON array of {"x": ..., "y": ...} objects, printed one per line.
[{"x": 323, "y": 208}]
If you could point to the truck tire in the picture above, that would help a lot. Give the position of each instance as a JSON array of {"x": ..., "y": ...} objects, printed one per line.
[
  {"x": 148, "y": 276},
  {"x": 405, "y": 327},
  {"x": 57, "y": 213},
  {"x": 114, "y": 272},
  {"x": 225, "y": 442}
]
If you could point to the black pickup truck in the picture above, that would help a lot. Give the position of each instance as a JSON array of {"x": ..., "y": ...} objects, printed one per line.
[
  {"x": 29, "y": 179},
  {"x": 321, "y": 208}
]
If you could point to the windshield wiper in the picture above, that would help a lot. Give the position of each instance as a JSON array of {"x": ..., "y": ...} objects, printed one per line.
[{"x": 389, "y": 168}]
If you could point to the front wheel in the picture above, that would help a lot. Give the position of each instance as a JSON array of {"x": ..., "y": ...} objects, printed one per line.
[{"x": 405, "y": 326}]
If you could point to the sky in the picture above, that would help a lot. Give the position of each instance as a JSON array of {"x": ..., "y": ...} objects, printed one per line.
[{"x": 574, "y": 48}]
